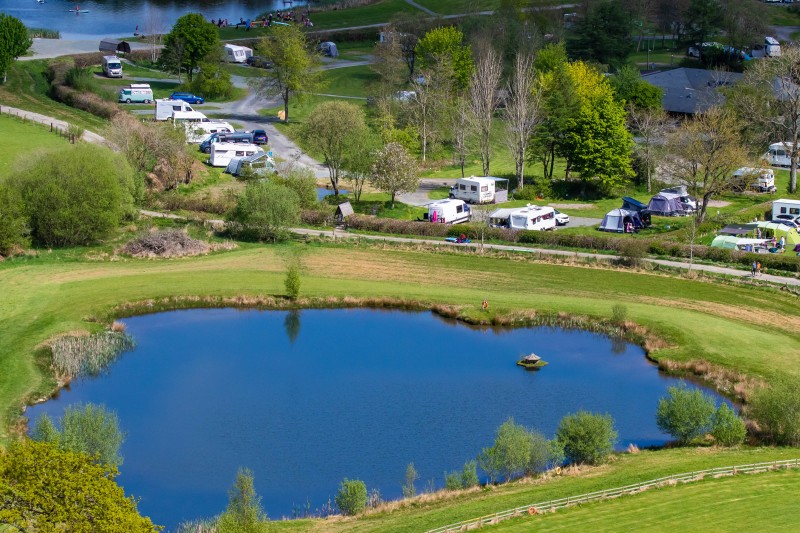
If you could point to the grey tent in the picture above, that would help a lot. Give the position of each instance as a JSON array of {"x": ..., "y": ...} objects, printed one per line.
[
  {"x": 329, "y": 49},
  {"x": 666, "y": 205},
  {"x": 260, "y": 163},
  {"x": 617, "y": 220},
  {"x": 632, "y": 204},
  {"x": 115, "y": 46}
]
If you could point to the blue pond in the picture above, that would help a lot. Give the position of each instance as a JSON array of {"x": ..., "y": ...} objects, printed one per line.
[{"x": 305, "y": 399}]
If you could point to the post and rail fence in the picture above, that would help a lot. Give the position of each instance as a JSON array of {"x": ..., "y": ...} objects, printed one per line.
[{"x": 561, "y": 503}]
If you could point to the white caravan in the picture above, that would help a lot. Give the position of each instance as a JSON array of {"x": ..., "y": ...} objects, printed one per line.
[
  {"x": 196, "y": 132},
  {"x": 237, "y": 54},
  {"x": 785, "y": 207},
  {"x": 480, "y": 190},
  {"x": 222, "y": 153},
  {"x": 448, "y": 212},
  {"x": 165, "y": 107},
  {"x": 779, "y": 154},
  {"x": 757, "y": 179},
  {"x": 533, "y": 217}
]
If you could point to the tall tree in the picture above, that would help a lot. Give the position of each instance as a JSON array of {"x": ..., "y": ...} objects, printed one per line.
[
  {"x": 649, "y": 125},
  {"x": 244, "y": 512},
  {"x": 330, "y": 129},
  {"x": 358, "y": 160},
  {"x": 631, "y": 89},
  {"x": 445, "y": 48},
  {"x": 394, "y": 170},
  {"x": 744, "y": 22},
  {"x": 483, "y": 101},
  {"x": 522, "y": 112},
  {"x": 431, "y": 95},
  {"x": 195, "y": 36},
  {"x": 704, "y": 18},
  {"x": 705, "y": 152},
  {"x": 294, "y": 65},
  {"x": 560, "y": 103},
  {"x": 459, "y": 124},
  {"x": 14, "y": 42},
  {"x": 604, "y": 35}
]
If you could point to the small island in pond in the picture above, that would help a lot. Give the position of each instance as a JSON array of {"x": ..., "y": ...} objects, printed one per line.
[{"x": 532, "y": 362}]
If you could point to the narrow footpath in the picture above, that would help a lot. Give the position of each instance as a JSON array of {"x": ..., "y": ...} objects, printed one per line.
[{"x": 87, "y": 136}]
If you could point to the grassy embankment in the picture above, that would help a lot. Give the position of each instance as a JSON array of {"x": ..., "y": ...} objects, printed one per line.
[{"x": 23, "y": 138}]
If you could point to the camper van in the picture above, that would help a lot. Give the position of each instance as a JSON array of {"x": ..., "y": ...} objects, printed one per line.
[
  {"x": 222, "y": 153},
  {"x": 448, "y": 212},
  {"x": 785, "y": 207},
  {"x": 779, "y": 154},
  {"x": 237, "y": 54},
  {"x": 112, "y": 67},
  {"x": 757, "y": 179},
  {"x": 480, "y": 190},
  {"x": 136, "y": 93},
  {"x": 772, "y": 47},
  {"x": 165, "y": 108},
  {"x": 532, "y": 217}
]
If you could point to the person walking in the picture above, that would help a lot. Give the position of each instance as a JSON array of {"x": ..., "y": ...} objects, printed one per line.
[
  {"x": 758, "y": 268},
  {"x": 753, "y": 269}
]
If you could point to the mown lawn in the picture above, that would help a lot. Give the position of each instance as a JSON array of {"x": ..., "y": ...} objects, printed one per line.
[{"x": 23, "y": 138}]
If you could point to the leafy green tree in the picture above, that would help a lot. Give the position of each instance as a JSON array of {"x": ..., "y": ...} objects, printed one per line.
[
  {"x": 727, "y": 428},
  {"x": 93, "y": 430},
  {"x": 265, "y": 210},
  {"x": 631, "y": 89},
  {"x": 409, "y": 490},
  {"x": 513, "y": 449},
  {"x": 587, "y": 438},
  {"x": 213, "y": 81},
  {"x": 540, "y": 453},
  {"x": 358, "y": 160},
  {"x": 603, "y": 35},
  {"x": 292, "y": 281},
  {"x": 45, "y": 431},
  {"x": 489, "y": 462},
  {"x": 75, "y": 196},
  {"x": 294, "y": 65},
  {"x": 560, "y": 104},
  {"x": 352, "y": 496},
  {"x": 444, "y": 48},
  {"x": 777, "y": 410},
  {"x": 191, "y": 39},
  {"x": 395, "y": 171},
  {"x": 14, "y": 228},
  {"x": 452, "y": 481},
  {"x": 704, "y": 19},
  {"x": 330, "y": 129},
  {"x": 469, "y": 475},
  {"x": 551, "y": 58},
  {"x": 301, "y": 180},
  {"x": 14, "y": 41},
  {"x": 244, "y": 513},
  {"x": 57, "y": 490},
  {"x": 685, "y": 413}
]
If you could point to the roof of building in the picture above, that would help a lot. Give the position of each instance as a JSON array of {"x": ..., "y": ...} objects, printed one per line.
[
  {"x": 691, "y": 90},
  {"x": 345, "y": 209}
]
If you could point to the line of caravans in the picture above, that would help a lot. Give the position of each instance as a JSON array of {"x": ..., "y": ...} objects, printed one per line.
[{"x": 197, "y": 125}]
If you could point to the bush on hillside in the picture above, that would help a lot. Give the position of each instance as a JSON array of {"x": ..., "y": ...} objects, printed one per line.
[
  {"x": 777, "y": 410},
  {"x": 75, "y": 196},
  {"x": 685, "y": 413},
  {"x": 586, "y": 438},
  {"x": 14, "y": 228},
  {"x": 352, "y": 496},
  {"x": 301, "y": 180},
  {"x": 727, "y": 428},
  {"x": 265, "y": 211}
]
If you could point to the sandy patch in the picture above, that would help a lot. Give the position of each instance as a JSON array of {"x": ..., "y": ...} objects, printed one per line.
[
  {"x": 572, "y": 206},
  {"x": 718, "y": 203}
]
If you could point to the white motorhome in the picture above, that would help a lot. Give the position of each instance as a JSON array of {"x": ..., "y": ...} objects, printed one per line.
[
  {"x": 779, "y": 154},
  {"x": 196, "y": 132},
  {"x": 112, "y": 66},
  {"x": 480, "y": 190},
  {"x": 757, "y": 179},
  {"x": 237, "y": 54},
  {"x": 533, "y": 217},
  {"x": 165, "y": 107},
  {"x": 772, "y": 47},
  {"x": 222, "y": 153},
  {"x": 785, "y": 207},
  {"x": 448, "y": 212}
]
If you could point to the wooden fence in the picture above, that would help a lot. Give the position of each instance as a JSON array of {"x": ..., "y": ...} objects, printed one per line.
[
  {"x": 561, "y": 503},
  {"x": 55, "y": 128}
]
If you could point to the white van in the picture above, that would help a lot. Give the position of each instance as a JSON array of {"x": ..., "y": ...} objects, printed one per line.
[
  {"x": 785, "y": 207},
  {"x": 448, "y": 212},
  {"x": 779, "y": 154},
  {"x": 480, "y": 190},
  {"x": 237, "y": 54},
  {"x": 136, "y": 93},
  {"x": 757, "y": 179},
  {"x": 165, "y": 107},
  {"x": 533, "y": 217},
  {"x": 222, "y": 153},
  {"x": 112, "y": 66}
]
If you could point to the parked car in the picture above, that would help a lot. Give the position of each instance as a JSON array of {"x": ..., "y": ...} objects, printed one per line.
[
  {"x": 562, "y": 219},
  {"x": 788, "y": 220},
  {"x": 260, "y": 137},
  {"x": 259, "y": 62},
  {"x": 187, "y": 97}
]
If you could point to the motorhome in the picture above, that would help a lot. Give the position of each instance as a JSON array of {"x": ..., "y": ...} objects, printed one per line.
[
  {"x": 532, "y": 217},
  {"x": 136, "y": 93},
  {"x": 237, "y": 54},
  {"x": 222, "y": 153},
  {"x": 779, "y": 154},
  {"x": 165, "y": 107},
  {"x": 785, "y": 207},
  {"x": 448, "y": 212},
  {"x": 772, "y": 47},
  {"x": 480, "y": 190},
  {"x": 757, "y": 179},
  {"x": 197, "y": 131},
  {"x": 112, "y": 66}
]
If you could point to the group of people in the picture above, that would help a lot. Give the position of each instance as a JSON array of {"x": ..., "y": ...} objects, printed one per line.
[
  {"x": 221, "y": 23},
  {"x": 283, "y": 17},
  {"x": 755, "y": 268}
]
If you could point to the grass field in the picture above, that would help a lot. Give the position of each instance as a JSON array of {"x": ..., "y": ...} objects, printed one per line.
[{"x": 23, "y": 138}]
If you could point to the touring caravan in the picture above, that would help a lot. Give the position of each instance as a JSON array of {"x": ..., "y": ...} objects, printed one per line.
[
  {"x": 532, "y": 217},
  {"x": 237, "y": 54},
  {"x": 112, "y": 67},
  {"x": 136, "y": 93},
  {"x": 448, "y": 212},
  {"x": 757, "y": 179},
  {"x": 785, "y": 207},
  {"x": 165, "y": 108},
  {"x": 222, "y": 153},
  {"x": 779, "y": 154},
  {"x": 197, "y": 131},
  {"x": 480, "y": 190}
]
